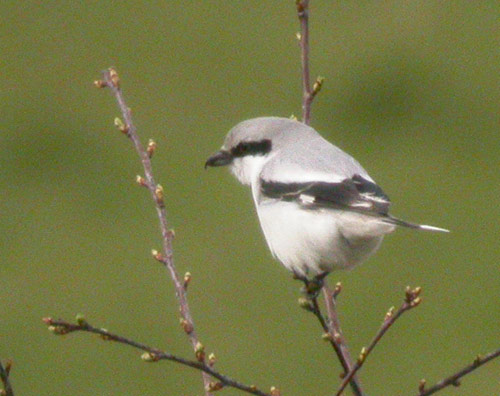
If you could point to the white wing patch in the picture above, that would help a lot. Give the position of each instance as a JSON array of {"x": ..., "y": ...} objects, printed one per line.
[
  {"x": 305, "y": 199},
  {"x": 375, "y": 198}
]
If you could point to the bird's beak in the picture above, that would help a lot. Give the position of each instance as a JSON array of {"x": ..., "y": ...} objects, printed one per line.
[{"x": 220, "y": 158}]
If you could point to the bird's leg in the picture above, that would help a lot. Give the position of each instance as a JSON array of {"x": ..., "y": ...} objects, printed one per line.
[
  {"x": 315, "y": 284},
  {"x": 306, "y": 288},
  {"x": 312, "y": 286}
]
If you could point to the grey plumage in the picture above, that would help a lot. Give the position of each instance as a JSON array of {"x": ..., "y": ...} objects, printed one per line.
[{"x": 318, "y": 207}]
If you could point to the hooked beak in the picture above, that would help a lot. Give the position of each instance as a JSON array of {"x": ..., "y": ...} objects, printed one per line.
[{"x": 220, "y": 158}]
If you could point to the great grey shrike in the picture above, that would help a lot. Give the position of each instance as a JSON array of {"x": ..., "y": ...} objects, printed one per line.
[{"x": 318, "y": 208}]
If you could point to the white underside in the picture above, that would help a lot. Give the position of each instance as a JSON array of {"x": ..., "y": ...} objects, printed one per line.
[{"x": 311, "y": 242}]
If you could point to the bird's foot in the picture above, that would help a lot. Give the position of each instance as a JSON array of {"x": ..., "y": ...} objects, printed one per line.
[{"x": 311, "y": 286}]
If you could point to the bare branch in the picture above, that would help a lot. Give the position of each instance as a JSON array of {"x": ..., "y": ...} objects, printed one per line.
[
  {"x": 111, "y": 81},
  {"x": 60, "y": 327},
  {"x": 308, "y": 94},
  {"x": 454, "y": 379},
  {"x": 412, "y": 300},
  {"x": 337, "y": 336},
  {"x": 331, "y": 327},
  {"x": 4, "y": 377}
]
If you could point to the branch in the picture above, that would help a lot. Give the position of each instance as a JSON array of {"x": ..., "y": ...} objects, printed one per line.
[
  {"x": 112, "y": 81},
  {"x": 455, "y": 378},
  {"x": 308, "y": 94},
  {"x": 412, "y": 300},
  {"x": 4, "y": 377},
  {"x": 60, "y": 327},
  {"x": 331, "y": 329},
  {"x": 337, "y": 336}
]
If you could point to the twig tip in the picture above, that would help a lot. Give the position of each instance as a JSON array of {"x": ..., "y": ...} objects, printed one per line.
[
  {"x": 159, "y": 194},
  {"x": 412, "y": 296},
  {"x": 141, "y": 181},
  {"x": 199, "y": 352},
  {"x": 390, "y": 313},
  {"x": 80, "y": 319},
  {"x": 187, "y": 280},
  {"x": 149, "y": 357},
  {"x": 100, "y": 84},
  {"x": 186, "y": 326},
  {"x": 421, "y": 385},
  {"x": 151, "y": 148},
  {"x": 362, "y": 355},
  {"x": 415, "y": 302},
  {"x": 317, "y": 85},
  {"x": 120, "y": 125},
  {"x": 306, "y": 304},
  {"x": 157, "y": 255},
  {"x": 214, "y": 386},
  {"x": 113, "y": 77},
  {"x": 326, "y": 337},
  {"x": 58, "y": 330},
  {"x": 104, "y": 335},
  {"x": 211, "y": 359},
  {"x": 337, "y": 289}
]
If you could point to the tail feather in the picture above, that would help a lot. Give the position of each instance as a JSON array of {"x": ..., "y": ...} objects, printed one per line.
[{"x": 423, "y": 227}]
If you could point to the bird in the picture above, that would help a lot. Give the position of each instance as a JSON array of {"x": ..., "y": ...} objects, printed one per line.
[{"x": 318, "y": 208}]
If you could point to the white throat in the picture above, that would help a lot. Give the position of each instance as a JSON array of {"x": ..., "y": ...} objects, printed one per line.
[{"x": 247, "y": 169}]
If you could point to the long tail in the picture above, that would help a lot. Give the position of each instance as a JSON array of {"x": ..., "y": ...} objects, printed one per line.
[{"x": 423, "y": 227}]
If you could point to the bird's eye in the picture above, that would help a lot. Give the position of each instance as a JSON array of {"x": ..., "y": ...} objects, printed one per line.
[{"x": 242, "y": 148}]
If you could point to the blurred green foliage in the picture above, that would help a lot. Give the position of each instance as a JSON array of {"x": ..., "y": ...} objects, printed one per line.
[{"x": 412, "y": 90}]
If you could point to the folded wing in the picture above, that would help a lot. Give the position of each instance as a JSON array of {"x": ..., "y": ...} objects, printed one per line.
[{"x": 355, "y": 193}]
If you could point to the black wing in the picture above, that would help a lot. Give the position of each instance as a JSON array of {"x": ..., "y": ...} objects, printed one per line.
[{"x": 355, "y": 193}]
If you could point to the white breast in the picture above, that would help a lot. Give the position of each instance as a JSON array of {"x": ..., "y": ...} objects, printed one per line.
[{"x": 311, "y": 242}]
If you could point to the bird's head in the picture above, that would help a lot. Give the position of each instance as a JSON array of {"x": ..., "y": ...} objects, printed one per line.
[{"x": 248, "y": 146}]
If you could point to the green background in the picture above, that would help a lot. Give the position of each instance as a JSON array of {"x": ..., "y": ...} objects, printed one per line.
[{"x": 412, "y": 91}]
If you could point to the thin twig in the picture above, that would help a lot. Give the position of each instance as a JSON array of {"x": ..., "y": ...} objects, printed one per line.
[
  {"x": 412, "y": 300},
  {"x": 454, "y": 379},
  {"x": 111, "y": 80},
  {"x": 331, "y": 338},
  {"x": 331, "y": 327},
  {"x": 303, "y": 14},
  {"x": 337, "y": 336},
  {"x": 61, "y": 327},
  {"x": 308, "y": 94},
  {"x": 4, "y": 377}
]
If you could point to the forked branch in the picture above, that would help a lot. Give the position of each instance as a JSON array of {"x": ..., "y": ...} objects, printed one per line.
[
  {"x": 454, "y": 379},
  {"x": 412, "y": 300},
  {"x": 337, "y": 335},
  {"x": 60, "y": 327},
  {"x": 331, "y": 328}
]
